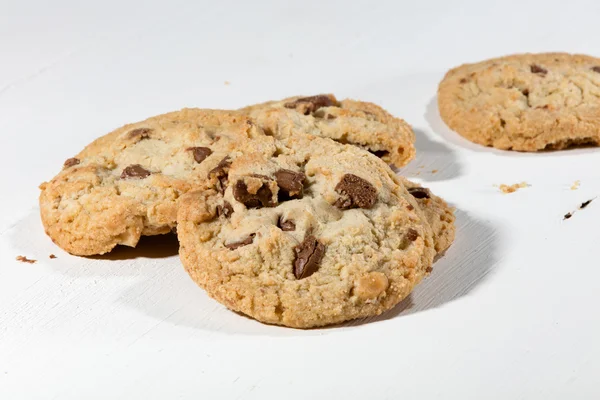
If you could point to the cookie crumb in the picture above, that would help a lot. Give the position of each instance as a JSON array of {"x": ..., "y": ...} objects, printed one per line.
[
  {"x": 575, "y": 185},
  {"x": 512, "y": 188},
  {"x": 581, "y": 207},
  {"x": 227, "y": 83},
  {"x": 585, "y": 204},
  {"x": 24, "y": 259},
  {"x": 52, "y": 256},
  {"x": 434, "y": 171}
]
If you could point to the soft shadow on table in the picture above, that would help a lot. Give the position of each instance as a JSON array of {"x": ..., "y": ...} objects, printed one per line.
[
  {"x": 158, "y": 286},
  {"x": 155, "y": 282},
  {"x": 159, "y": 246},
  {"x": 437, "y": 125},
  {"x": 435, "y": 161},
  {"x": 465, "y": 265},
  {"x": 29, "y": 238}
]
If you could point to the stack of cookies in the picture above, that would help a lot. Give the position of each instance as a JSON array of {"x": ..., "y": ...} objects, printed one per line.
[{"x": 285, "y": 211}]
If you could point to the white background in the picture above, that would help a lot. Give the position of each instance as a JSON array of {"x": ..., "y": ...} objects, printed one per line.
[{"x": 511, "y": 311}]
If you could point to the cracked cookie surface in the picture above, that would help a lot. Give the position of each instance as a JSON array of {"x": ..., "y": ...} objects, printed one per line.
[
  {"x": 362, "y": 124},
  {"x": 525, "y": 102},
  {"x": 313, "y": 234},
  {"x": 127, "y": 183}
]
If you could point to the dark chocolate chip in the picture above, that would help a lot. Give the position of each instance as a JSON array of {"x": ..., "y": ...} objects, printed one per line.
[
  {"x": 419, "y": 193},
  {"x": 309, "y": 254},
  {"x": 355, "y": 193},
  {"x": 585, "y": 204},
  {"x": 140, "y": 133},
  {"x": 262, "y": 198},
  {"x": 286, "y": 225},
  {"x": 135, "y": 171},
  {"x": 200, "y": 153},
  {"x": 596, "y": 69},
  {"x": 307, "y": 105},
  {"x": 412, "y": 234},
  {"x": 379, "y": 153},
  {"x": 290, "y": 183},
  {"x": 241, "y": 243},
  {"x": 226, "y": 209},
  {"x": 536, "y": 69},
  {"x": 568, "y": 215},
  {"x": 71, "y": 161},
  {"x": 525, "y": 92},
  {"x": 502, "y": 123},
  {"x": 220, "y": 173},
  {"x": 410, "y": 207},
  {"x": 463, "y": 80}
]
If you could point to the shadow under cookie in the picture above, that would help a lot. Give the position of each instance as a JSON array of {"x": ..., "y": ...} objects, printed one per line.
[
  {"x": 437, "y": 125},
  {"x": 435, "y": 161},
  {"x": 158, "y": 246},
  {"x": 466, "y": 264}
]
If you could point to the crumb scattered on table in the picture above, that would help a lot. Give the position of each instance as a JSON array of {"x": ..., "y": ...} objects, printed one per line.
[
  {"x": 24, "y": 259},
  {"x": 512, "y": 188},
  {"x": 581, "y": 207},
  {"x": 227, "y": 83},
  {"x": 434, "y": 171},
  {"x": 575, "y": 185},
  {"x": 585, "y": 204},
  {"x": 52, "y": 256}
]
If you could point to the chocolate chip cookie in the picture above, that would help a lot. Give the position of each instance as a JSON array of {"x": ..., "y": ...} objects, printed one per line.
[
  {"x": 438, "y": 213},
  {"x": 315, "y": 233},
  {"x": 362, "y": 124},
  {"x": 525, "y": 102},
  {"x": 127, "y": 183}
]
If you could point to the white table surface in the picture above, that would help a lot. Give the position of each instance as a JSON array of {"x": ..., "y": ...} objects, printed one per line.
[{"x": 511, "y": 311}]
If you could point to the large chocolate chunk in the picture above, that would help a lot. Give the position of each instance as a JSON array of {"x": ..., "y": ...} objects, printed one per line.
[
  {"x": 226, "y": 209},
  {"x": 536, "y": 69},
  {"x": 412, "y": 234},
  {"x": 419, "y": 193},
  {"x": 71, "y": 161},
  {"x": 307, "y": 105},
  {"x": 200, "y": 153},
  {"x": 309, "y": 254},
  {"x": 355, "y": 193},
  {"x": 596, "y": 68},
  {"x": 220, "y": 173},
  {"x": 290, "y": 183},
  {"x": 255, "y": 196},
  {"x": 135, "y": 171},
  {"x": 241, "y": 243},
  {"x": 286, "y": 224},
  {"x": 140, "y": 133}
]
